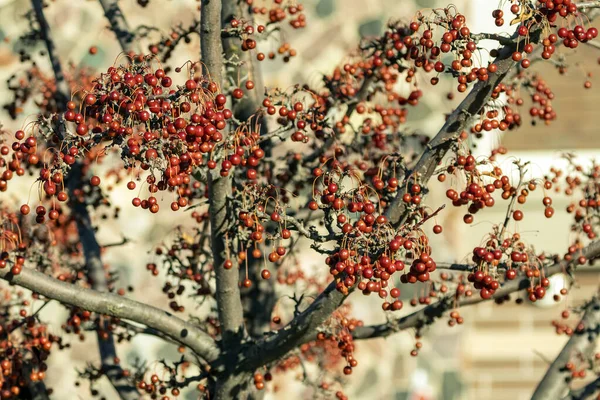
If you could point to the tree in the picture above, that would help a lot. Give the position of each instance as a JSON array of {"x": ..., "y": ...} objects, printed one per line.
[{"x": 264, "y": 168}]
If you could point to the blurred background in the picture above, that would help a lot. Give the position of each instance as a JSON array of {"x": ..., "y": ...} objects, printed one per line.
[{"x": 500, "y": 352}]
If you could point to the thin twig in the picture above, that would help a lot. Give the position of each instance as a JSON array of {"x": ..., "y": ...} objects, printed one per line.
[
  {"x": 515, "y": 195},
  {"x": 122, "y": 242}
]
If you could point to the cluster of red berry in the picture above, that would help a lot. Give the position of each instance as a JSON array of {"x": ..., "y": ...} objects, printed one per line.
[
  {"x": 166, "y": 131},
  {"x": 21, "y": 156}
]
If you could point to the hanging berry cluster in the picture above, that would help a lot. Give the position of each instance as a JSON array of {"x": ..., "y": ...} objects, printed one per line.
[
  {"x": 20, "y": 156},
  {"x": 166, "y": 131},
  {"x": 546, "y": 15},
  {"x": 270, "y": 17},
  {"x": 583, "y": 184}
]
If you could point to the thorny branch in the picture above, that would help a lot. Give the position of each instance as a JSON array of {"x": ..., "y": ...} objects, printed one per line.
[{"x": 515, "y": 195}]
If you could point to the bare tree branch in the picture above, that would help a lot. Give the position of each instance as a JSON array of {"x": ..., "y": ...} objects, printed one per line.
[
  {"x": 118, "y": 24},
  {"x": 511, "y": 204},
  {"x": 210, "y": 35},
  {"x": 582, "y": 343},
  {"x": 593, "y": 43},
  {"x": 361, "y": 95},
  {"x": 177, "y": 329},
  {"x": 228, "y": 297},
  {"x": 63, "y": 92},
  {"x": 91, "y": 249},
  {"x": 309, "y": 232},
  {"x": 503, "y": 40},
  {"x": 144, "y": 330},
  {"x": 122, "y": 242}
]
